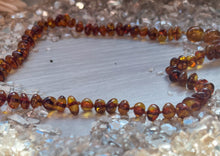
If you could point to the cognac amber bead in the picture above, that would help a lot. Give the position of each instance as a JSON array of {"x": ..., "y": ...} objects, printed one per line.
[
  {"x": 127, "y": 28},
  {"x": 153, "y": 112},
  {"x": 28, "y": 32},
  {"x": 199, "y": 85},
  {"x": 43, "y": 24},
  {"x": 139, "y": 109},
  {"x": 60, "y": 21},
  {"x": 73, "y": 105},
  {"x": 3, "y": 97},
  {"x": 200, "y": 56},
  {"x": 61, "y": 104},
  {"x": 88, "y": 29},
  {"x": 111, "y": 106},
  {"x": 79, "y": 26},
  {"x": 110, "y": 29},
  {"x": 177, "y": 33},
  {"x": 102, "y": 30},
  {"x": 49, "y": 103},
  {"x": 36, "y": 101},
  {"x": 192, "y": 103},
  {"x": 169, "y": 69},
  {"x": 86, "y": 104},
  {"x": 217, "y": 50},
  {"x": 168, "y": 111},
  {"x": 153, "y": 33},
  {"x": 210, "y": 52},
  {"x": 11, "y": 61},
  {"x": 24, "y": 52},
  {"x": 25, "y": 103},
  {"x": 99, "y": 106},
  {"x": 95, "y": 29},
  {"x": 13, "y": 100},
  {"x": 2, "y": 74},
  {"x": 51, "y": 22},
  {"x": 19, "y": 58},
  {"x": 174, "y": 75},
  {"x": 5, "y": 65},
  {"x": 143, "y": 31},
  {"x": 71, "y": 23},
  {"x": 119, "y": 29},
  {"x": 162, "y": 35},
  {"x": 183, "y": 79},
  {"x": 134, "y": 31},
  {"x": 182, "y": 64},
  {"x": 210, "y": 87},
  {"x": 36, "y": 32},
  {"x": 170, "y": 34},
  {"x": 123, "y": 107},
  {"x": 191, "y": 61},
  {"x": 24, "y": 44},
  {"x": 211, "y": 35},
  {"x": 182, "y": 110},
  {"x": 193, "y": 78},
  {"x": 202, "y": 96},
  {"x": 29, "y": 39},
  {"x": 195, "y": 34},
  {"x": 174, "y": 62}
]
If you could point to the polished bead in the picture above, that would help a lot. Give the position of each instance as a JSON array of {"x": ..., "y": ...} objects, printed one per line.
[
  {"x": 88, "y": 29},
  {"x": 195, "y": 34},
  {"x": 210, "y": 87},
  {"x": 174, "y": 61},
  {"x": 24, "y": 52},
  {"x": 24, "y": 44},
  {"x": 102, "y": 30},
  {"x": 127, "y": 28},
  {"x": 143, "y": 31},
  {"x": 3, "y": 97},
  {"x": 111, "y": 106},
  {"x": 5, "y": 65},
  {"x": 183, "y": 79},
  {"x": 73, "y": 106},
  {"x": 174, "y": 75},
  {"x": 36, "y": 32},
  {"x": 207, "y": 92},
  {"x": 13, "y": 100},
  {"x": 202, "y": 96},
  {"x": 99, "y": 106},
  {"x": 43, "y": 24},
  {"x": 11, "y": 61},
  {"x": 19, "y": 58},
  {"x": 119, "y": 29},
  {"x": 95, "y": 29},
  {"x": 217, "y": 50},
  {"x": 200, "y": 56},
  {"x": 169, "y": 69},
  {"x": 153, "y": 33},
  {"x": 199, "y": 85},
  {"x": 79, "y": 26},
  {"x": 49, "y": 103},
  {"x": 67, "y": 19},
  {"x": 162, "y": 35},
  {"x": 71, "y": 23},
  {"x": 193, "y": 78},
  {"x": 60, "y": 21},
  {"x": 36, "y": 101},
  {"x": 2, "y": 74},
  {"x": 177, "y": 33},
  {"x": 139, "y": 109},
  {"x": 28, "y": 32},
  {"x": 191, "y": 61},
  {"x": 123, "y": 107},
  {"x": 182, "y": 110},
  {"x": 134, "y": 31},
  {"x": 210, "y": 52},
  {"x": 86, "y": 104},
  {"x": 29, "y": 39},
  {"x": 170, "y": 34},
  {"x": 110, "y": 29},
  {"x": 211, "y": 35},
  {"x": 193, "y": 103},
  {"x": 25, "y": 102},
  {"x": 153, "y": 112},
  {"x": 182, "y": 64},
  {"x": 168, "y": 111},
  {"x": 51, "y": 22},
  {"x": 61, "y": 104}
]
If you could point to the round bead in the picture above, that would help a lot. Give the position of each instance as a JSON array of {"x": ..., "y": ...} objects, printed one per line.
[
  {"x": 13, "y": 100},
  {"x": 182, "y": 110},
  {"x": 177, "y": 33},
  {"x": 153, "y": 112},
  {"x": 162, "y": 35},
  {"x": 210, "y": 52},
  {"x": 79, "y": 26},
  {"x": 139, "y": 109},
  {"x": 99, "y": 106},
  {"x": 29, "y": 39},
  {"x": 192, "y": 103},
  {"x": 182, "y": 64},
  {"x": 24, "y": 44},
  {"x": 61, "y": 104},
  {"x": 88, "y": 29},
  {"x": 95, "y": 29},
  {"x": 200, "y": 56},
  {"x": 193, "y": 78},
  {"x": 71, "y": 23},
  {"x": 211, "y": 35},
  {"x": 153, "y": 33},
  {"x": 36, "y": 101},
  {"x": 170, "y": 34},
  {"x": 169, "y": 69},
  {"x": 143, "y": 31},
  {"x": 134, "y": 31},
  {"x": 3, "y": 97},
  {"x": 24, "y": 52},
  {"x": 25, "y": 103},
  {"x": 174, "y": 76},
  {"x": 19, "y": 58},
  {"x": 102, "y": 30},
  {"x": 11, "y": 61},
  {"x": 119, "y": 29},
  {"x": 51, "y": 22},
  {"x": 36, "y": 32},
  {"x": 49, "y": 103},
  {"x": 5, "y": 65},
  {"x": 86, "y": 104},
  {"x": 60, "y": 21},
  {"x": 43, "y": 24},
  {"x": 73, "y": 105},
  {"x": 110, "y": 29},
  {"x": 195, "y": 34},
  {"x": 191, "y": 61},
  {"x": 123, "y": 107},
  {"x": 127, "y": 28},
  {"x": 174, "y": 61},
  {"x": 111, "y": 106},
  {"x": 168, "y": 111}
]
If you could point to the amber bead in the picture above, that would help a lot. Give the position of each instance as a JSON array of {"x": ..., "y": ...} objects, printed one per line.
[
  {"x": 191, "y": 61},
  {"x": 169, "y": 69},
  {"x": 29, "y": 39},
  {"x": 134, "y": 31},
  {"x": 19, "y": 58},
  {"x": 79, "y": 26},
  {"x": 123, "y": 107},
  {"x": 86, "y": 104},
  {"x": 174, "y": 75},
  {"x": 95, "y": 29},
  {"x": 2, "y": 74},
  {"x": 143, "y": 31},
  {"x": 61, "y": 104},
  {"x": 153, "y": 112},
  {"x": 43, "y": 24},
  {"x": 195, "y": 34},
  {"x": 5, "y": 65},
  {"x": 49, "y": 103},
  {"x": 25, "y": 103},
  {"x": 193, "y": 103},
  {"x": 210, "y": 52},
  {"x": 168, "y": 111},
  {"x": 24, "y": 52},
  {"x": 110, "y": 29},
  {"x": 11, "y": 61},
  {"x": 13, "y": 100},
  {"x": 60, "y": 21},
  {"x": 3, "y": 97},
  {"x": 199, "y": 85},
  {"x": 200, "y": 56},
  {"x": 36, "y": 101},
  {"x": 174, "y": 61},
  {"x": 182, "y": 64},
  {"x": 99, "y": 106},
  {"x": 71, "y": 23},
  {"x": 162, "y": 35},
  {"x": 28, "y": 32},
  {"x": 210, "y": 87},
  {"x": 111, "y": 106},
  {"x": 211, "y": 35},
  {"x": 102, "y": 30},
  {"x": 183, "y": 79},
  {"x": 88, "y": 29},
  {"x": 139, "y": 109},
  {"x": 177, "y": 33},
  {"x": 202, "y": 96},
  {"x": 119, "y": 29},
  {"x": 170, "y": 34},
  {"x": 127, "y": 28},
  {"x": 182, "y": 110},
  {"x": 73, "y": 105},
  {"x": 193, "y": 78},
  {"x": 24, "y": 44},
  {"x": 217, "y": 50},
  {"x": 36, "y": 32},
  {"x": 51, "y": 22},
  {"x": 153, "y": 33}
]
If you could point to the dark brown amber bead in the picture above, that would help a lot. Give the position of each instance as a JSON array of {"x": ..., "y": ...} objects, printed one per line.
[
  {"x": 119, "y": 29},
  {"x": 134, "y": 31},
  {"x": 193, "y": 78},
  {"x": 177, "y": 33},
  {"x": 153, "y": 33},
  {"x": 86, "y": 104},
  {"x": 71, "y": 23},
  {"x": 73, "y": 106},
  {"x": 202, "y": 96},
  {"x": 60, "y": 21},
  {"x": 61, "y": 104},
  {"x": 127, "y": 28},
  {"x": 51, "y": 22},
  {"x": 210, "y": 87},
  {"x": 153, "y": 112},
  {"x": 199, "y": 85},
  {"x": 49, "y": 103},
  {"x": 168, "y": 111},
  {"x": 13, "y": 100},
  {"x": 174, "y": 75},
  {"x": 162, "y": 35},
  {"x": 200, "y": 56},
  {"x": 2, "y": 74},
  {"x": 28, "y": 32},
  {"x": 43, "y": 24},
  {"x": 102, "y": 30},
  {"x": 111, "y": 106},
  {"x": 19, "y": 58},
  {"x": 192, "y": 103},
  {"x": 217, "y": 50},
  {"x": 29, "y": 39},
  {"x": 110, "y": 29},
  {"x": 36, "y": 101},
  {"x": 183, "y": 78},
  {"x": 174, "y": 62},
  {"x": 95, "y": 29},
  {"x": 24, "y": 52},
  {"x": 79, "y": 26},
  {"x": 123, "y": 107},
  {"x": 36, "y": 32},
  {"x": 143, "y": 31},
  {"x": 99, "y": 106},
  {"x": 139, "y": 109},
  {"x": 170, "y": 34},
  {"x": 25, "y": 103},
  {"x": 191, "y": 61},
  {"x": 88, "y": 29},
  {"x": 24, "y": 44},
  {"x": 210, "y": 52},
  {"x": 169, "y": 69},
  {"x": 195, "y": 34},
  {"x": 3, "y": 97},
  {"x": 182, "y": 110},
  {"x": 211, "y": 35},
  {"x": 5, "y": 65},
  {"x": 11, "y": 61}
]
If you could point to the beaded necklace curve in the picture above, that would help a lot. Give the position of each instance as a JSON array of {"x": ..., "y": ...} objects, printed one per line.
[{"x": 177, "y": 70}]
